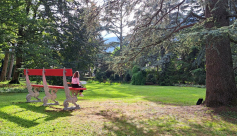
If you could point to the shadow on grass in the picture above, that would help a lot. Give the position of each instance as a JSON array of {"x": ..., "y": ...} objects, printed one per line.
[
  {"x": 106, "y": 95},
  {"x": 21, "y": 122},
  {"x": 121, "y": 126},
  {"x": 228, "y": 114},
  {"x": 125, "y": 125},
  {"x": 50, "y": 114}
]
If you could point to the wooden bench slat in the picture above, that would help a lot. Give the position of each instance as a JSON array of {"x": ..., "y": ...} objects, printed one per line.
[
  {"x": 59, "y": 87},
  {"x": 48, "y": 72}
]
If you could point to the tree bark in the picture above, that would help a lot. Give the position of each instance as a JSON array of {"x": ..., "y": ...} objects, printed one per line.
[
  {"x": 121, "y": 27},
  {"x": 4, "y": 68},
  {"x": 15, "y": 77},
  {"x": 11, "y": 66},
  {"x": 220, "y": 81}
]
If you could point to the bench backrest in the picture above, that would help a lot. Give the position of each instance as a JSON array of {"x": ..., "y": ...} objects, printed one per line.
[{"x": 48, "y": 72}]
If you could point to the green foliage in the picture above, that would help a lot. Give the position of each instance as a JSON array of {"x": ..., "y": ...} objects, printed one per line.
[
  {"x": 135, "y": 69},
  {"x": 115, "y": 78},
  {"x": 127, "y": 77},
  {"x": 107, "y": 76},
  {"x": 109, "y": 73},
  {"x": 151, "y": 78},
  {"x": 100, "y": 76},
  {"x": 37, "y": 79},
  {"x": 14, "y": 90},
  {"x": 199, "y": 76},
  {"x": 138, "y": 77},
  {"x": 168, "y": 76},
  {"x": 43, "y": 39},
  {"x": 55, "y": 80},
  {"x": 191, "y": 68}
]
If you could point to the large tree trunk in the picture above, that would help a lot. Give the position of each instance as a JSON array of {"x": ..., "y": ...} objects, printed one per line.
[
  {"x": 16, "y": 73},
  {"x": 4, "y": 68},
  {"x": 15, "y": 78},
  {"x": 11, "y": 66},
  {"x": 220, "y": 81}
]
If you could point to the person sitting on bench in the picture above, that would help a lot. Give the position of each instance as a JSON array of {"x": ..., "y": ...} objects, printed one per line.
[{"x": 76, "y": 82}]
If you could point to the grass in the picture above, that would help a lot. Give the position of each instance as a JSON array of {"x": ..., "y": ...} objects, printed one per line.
[{"x": 118, "y": 110}]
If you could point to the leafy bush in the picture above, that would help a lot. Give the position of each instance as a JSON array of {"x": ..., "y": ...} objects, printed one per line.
[
  {"x": 13, "y": 90},
  {"x": 199, "y": 76},
  {"x": 109, "y": 73},
  {"x": 127, "y": 77},
  {"x": 135, "y": 69},
  {"x": 100, "y": 76},
  {"x": 151, "y": 78},
  {"x": 114, "y": 78},
  {"x": 138, "y": 77},
  {"x": 54, "y": 80}
]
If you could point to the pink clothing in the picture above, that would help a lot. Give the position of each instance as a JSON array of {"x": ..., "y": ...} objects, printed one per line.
[{"x": 75, "y": 81}]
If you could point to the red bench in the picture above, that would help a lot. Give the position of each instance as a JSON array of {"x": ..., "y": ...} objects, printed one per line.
[{"x": 54, "y": 88}]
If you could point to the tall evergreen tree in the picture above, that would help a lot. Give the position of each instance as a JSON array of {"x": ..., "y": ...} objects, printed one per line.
[
  {"x": 116, "y": 18},
  {"x": 159, "y": 27}
]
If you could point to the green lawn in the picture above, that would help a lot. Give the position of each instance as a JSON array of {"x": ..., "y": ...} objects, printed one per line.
[{"x": 118, "y": 110}]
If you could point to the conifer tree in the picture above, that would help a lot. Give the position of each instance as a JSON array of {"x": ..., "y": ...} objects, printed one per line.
[{"x": 159, "y": 21}]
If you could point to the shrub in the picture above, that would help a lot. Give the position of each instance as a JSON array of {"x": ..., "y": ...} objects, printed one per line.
[
  {"x": 135, "y": 69},
  {"x": 127, "y": 77},
  {"x": 138, "y": 78},
  {"x": 114, "y": 78},
  {"x": 13, "y": 90},
  {"x": 199, "y": 76},
  {"x": 109, "y": 73},
  {"x": 54, "y": 80},
  {"x": 100, "y": 76},
  {"x": 151, "y": 78}
]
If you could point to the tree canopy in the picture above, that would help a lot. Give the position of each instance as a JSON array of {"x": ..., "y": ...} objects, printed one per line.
[{"x": 174, "y": 40}]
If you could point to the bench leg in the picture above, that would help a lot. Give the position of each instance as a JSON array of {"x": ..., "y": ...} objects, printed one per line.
[
  {"x": 69, "y": 98},
  {"x": 52, "y": 97},
  {"x": 34, "y": 94},
  {"x": 72, "y": 100}
]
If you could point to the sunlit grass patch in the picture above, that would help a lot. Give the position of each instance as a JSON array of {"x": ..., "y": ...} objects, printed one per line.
[{"x": 118, "y": 109}]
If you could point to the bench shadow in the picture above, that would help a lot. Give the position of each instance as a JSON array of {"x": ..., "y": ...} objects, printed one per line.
[
  {"x": 21, "y": 122},
  {"x": 50, "y": 114}
]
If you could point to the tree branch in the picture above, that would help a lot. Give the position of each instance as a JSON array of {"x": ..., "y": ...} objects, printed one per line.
[
  {"x": 232, "y": 40},
  {"x": 182, "y": 27},
  {"x": 176, "y": 29},
  {"x": 234, "y": 6},
  {"x": 169, "y": 11},
  {"x": 155, "y": 14},
  {"x": 234, "y": 68},
  {"x": 233, "y": 15}
]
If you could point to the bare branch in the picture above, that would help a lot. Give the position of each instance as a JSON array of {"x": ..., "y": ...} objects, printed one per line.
[
  {"x": 182, "y": 27},
  {"x": 176, "y": 29},
  {"x": 169, "y": 11},
  {"x": 177, "y": 16},
  {"x": 234, "y": 15},
  {"x": 234, "y": 6},
  {"x": 156, "y": 13}
]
